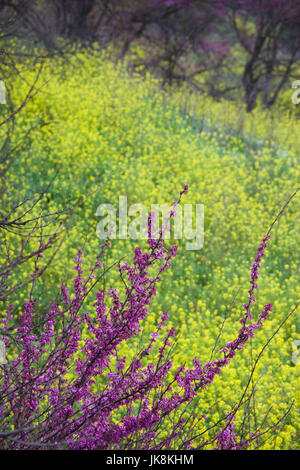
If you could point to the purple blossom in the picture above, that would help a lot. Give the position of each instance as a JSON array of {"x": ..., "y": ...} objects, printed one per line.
[{"x": 70, "y": 382}]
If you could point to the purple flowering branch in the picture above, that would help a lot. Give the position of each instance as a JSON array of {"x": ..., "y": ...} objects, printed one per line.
[
  {"x": 109, "y": 401},
  {"x": 247, "y": 332}
]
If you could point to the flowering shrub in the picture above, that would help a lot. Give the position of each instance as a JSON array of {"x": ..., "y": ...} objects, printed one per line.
[{"x": 109, "y": 402}]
